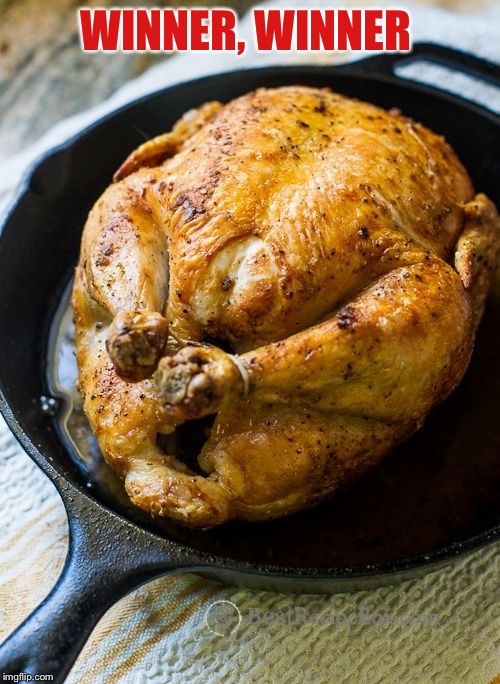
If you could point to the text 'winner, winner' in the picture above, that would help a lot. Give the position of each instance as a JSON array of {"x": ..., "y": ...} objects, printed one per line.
[{"x": 201, "y": 29}]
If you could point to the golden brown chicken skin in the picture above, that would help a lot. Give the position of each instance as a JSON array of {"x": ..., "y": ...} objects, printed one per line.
[{"x": 337, "y": 249}]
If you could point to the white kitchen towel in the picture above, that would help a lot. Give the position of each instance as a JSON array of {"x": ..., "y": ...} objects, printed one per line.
[{"x": 441, "y": 628}]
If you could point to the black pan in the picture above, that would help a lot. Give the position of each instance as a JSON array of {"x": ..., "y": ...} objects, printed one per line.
[{"x": 434, "y": 499}]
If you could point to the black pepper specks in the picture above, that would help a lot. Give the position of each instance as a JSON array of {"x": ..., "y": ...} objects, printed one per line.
[
  {"x": 346, "y": 318},
  {"x": 226, "y": 283}
]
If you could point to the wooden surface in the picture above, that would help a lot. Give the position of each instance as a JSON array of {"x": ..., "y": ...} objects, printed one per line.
[{"x": 44, "y": 76}]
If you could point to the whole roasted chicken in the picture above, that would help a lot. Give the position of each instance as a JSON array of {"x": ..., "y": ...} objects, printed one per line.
[{"x": 307, "y": 268}]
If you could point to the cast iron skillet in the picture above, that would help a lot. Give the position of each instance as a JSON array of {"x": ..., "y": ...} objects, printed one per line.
[{"x": 433, "y": 500}]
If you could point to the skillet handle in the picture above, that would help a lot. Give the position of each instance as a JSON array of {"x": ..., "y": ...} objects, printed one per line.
[
  {"x": 107, "y": 558},
  {"x": 437, "y": 54}
]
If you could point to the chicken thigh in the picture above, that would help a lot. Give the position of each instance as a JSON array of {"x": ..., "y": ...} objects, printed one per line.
[{"x": 307, "y": 268}]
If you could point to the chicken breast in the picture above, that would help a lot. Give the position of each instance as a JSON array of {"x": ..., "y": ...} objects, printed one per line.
[{"x": 308, "y": 268}]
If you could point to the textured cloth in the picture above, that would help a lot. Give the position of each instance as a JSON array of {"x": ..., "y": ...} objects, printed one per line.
[{"x": 441, "y": 628}]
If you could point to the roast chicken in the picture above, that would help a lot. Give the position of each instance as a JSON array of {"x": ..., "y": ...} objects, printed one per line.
[{"x": 308, "y": 269}]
